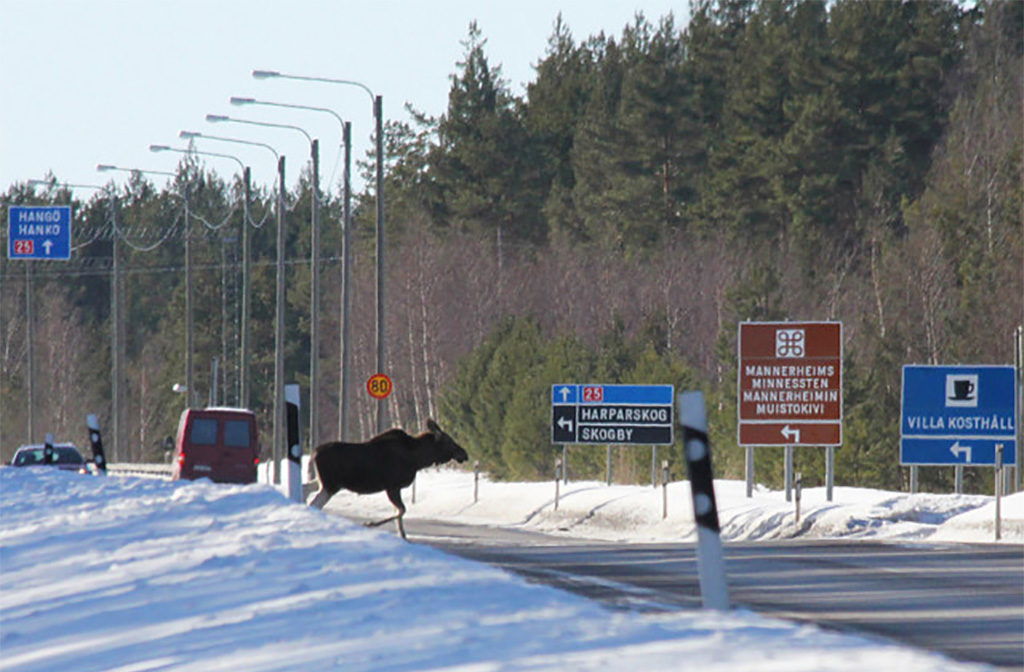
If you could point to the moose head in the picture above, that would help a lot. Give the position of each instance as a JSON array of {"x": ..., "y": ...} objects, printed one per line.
[{"x": 444, "y": 445}]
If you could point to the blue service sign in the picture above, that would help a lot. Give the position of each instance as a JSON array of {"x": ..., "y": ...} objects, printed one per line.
[
  {"x": 958, "y": 415},
  {"x": 39, "y": 232}
]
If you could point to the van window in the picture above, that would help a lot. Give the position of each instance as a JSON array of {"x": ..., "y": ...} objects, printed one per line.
[
  {"x": 236, "y": 433},
  {"x": 204, "y": 431}
]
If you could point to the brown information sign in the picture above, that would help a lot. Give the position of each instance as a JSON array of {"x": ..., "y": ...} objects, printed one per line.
[{"x": 790, "y": 384}]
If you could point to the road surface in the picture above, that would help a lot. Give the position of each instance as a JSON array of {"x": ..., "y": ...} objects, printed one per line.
[{"x": 965, "y": 601}]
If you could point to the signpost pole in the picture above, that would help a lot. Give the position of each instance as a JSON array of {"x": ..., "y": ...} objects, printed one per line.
[
  {"x": 958, "y": 476},
  {"x": 830, "y": 471},
  {"x": 913, "y": 479},
  {"x": 789, "y": 473},
  {"x": 750, "y": 471},
  {"x": 558, "y": 466},
  {"x": 1018, "y": 356},
  {"x": 476, "y": 481},
  {"x": 997, "y": 479},
  {"x": 565, "y": 464},
  {"x": 30, "y": 322},
  {"x": 799, "y": 489},
  {"x": 608, "y": 465},
  {"x": 654, "y": 467},
  {"x": 664, "y": 489}
]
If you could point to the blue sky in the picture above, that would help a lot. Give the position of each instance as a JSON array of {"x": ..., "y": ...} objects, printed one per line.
[{"x": 93, "y": 82}]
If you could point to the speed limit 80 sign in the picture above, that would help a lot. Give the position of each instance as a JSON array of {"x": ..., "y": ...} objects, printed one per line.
[{"x": 379, "y": 386}]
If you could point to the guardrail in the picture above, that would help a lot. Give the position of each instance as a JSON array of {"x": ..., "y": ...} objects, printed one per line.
[{"x": 143, "y": 469}]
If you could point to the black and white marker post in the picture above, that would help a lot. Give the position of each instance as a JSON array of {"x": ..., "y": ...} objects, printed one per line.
[
  {"x": 293, "y": 465},
  {"x": 48, "y": 449},
  {"x": 710, "y": 562},
  {"x": 96, "y": 443}
]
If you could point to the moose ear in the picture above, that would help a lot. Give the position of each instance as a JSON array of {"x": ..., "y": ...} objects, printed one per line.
[{"x": 432, "y": 426}]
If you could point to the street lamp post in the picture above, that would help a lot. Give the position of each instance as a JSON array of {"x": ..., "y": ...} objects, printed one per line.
[
  {"x": 278, "y": 449},
  {"x": 344, "y": 366},
  {"x": 243, "y": 366},
  {"x": 116, "y": 326},
  {"x": 314, "y": 302},
  {"x": 116, "y": 302},
  {"x": 189, "y": 285},
  {"x": 378, "y": 113}
]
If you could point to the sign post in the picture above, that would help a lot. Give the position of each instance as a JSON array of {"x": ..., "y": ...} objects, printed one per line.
[
  {"x": 611, "y": 415},
  {"x": 790, "y": 388},
  {"x": 958, "y": 415},
  {"x": 36, "y": 232},
  {"x": 39, "y": 232}
]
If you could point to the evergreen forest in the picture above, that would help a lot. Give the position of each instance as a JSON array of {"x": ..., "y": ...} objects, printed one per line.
[{"x": 769, "y": 160}]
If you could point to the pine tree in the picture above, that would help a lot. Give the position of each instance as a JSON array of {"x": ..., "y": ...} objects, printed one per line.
[{"x": 484, "y": 164}]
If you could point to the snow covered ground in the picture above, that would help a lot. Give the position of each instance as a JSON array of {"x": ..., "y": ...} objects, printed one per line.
[
  {"x": 634, "y": 513},
  {"x": 131, "y": 575}
]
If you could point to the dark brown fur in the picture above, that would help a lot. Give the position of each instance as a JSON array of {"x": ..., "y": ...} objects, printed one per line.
[{"x": 386, "y": 463}]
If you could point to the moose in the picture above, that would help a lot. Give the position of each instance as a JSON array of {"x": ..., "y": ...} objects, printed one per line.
[{"x": 388, "y": 462}]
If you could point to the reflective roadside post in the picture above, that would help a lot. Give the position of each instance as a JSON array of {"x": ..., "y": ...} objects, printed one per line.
[
  {"x": 710, "y": 561},
  {"x": 96, "y": 443}
]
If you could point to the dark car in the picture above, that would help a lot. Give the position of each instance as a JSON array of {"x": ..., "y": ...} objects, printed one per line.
[{"x": 65, "y": 457}]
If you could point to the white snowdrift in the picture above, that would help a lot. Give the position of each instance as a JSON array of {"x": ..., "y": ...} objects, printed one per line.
[
  {"x": 125, "y": 574},
  {"x": 634, "y": 513}
]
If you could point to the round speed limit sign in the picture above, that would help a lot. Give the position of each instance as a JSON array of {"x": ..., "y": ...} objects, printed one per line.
[{"x": 379, "y": 386}]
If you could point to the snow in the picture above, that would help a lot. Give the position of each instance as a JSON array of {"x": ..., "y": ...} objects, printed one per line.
[
  {"x": 594, "y": 510},
  {"x": 128, "y": 574}
]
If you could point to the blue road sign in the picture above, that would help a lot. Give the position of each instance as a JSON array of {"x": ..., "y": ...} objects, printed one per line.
[
  {"x": 611, "y": 414},
  {"x": 958, "y": 415},
  {"x": 39, "y": 232}
]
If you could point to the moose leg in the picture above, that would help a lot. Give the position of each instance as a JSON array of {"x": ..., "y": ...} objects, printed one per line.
[
  {"x": 320, "y": 499},
  {"x": 395, "y": 495}
]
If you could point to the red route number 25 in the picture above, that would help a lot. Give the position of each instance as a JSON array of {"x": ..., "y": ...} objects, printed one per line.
[
  {"x": 593, "y": 393},
  {"x": 379, "y": 386}
]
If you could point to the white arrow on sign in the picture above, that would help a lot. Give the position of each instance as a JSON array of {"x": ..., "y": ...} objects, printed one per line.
[
  {"x": 565, "y": 423},
  {"x": 565, "y": 392},
  {"x": 791, "y": 434},
  {"x": 958, "y": 450},
  {"x": 47, "y": 245}
]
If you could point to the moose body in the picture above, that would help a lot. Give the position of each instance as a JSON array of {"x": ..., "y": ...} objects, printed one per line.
[{"x": 386, "y": 463}]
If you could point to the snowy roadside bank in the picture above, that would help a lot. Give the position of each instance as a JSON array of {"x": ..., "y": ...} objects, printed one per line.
[
  {"x": 594, "y": 510},
  {"x": 134, "y": 574}
]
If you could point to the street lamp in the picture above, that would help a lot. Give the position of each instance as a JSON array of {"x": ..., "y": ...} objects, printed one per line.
[
  {"x": 279, "y": 439},
  {"x": 314, "y": 148},
  {"x": 116, "y": 326},
  {"x": 243, "y": 369},
  {"x": 378, "y": 113},
  {"x": 189, "y": 325},
  {"x": 314, "y": 309},
  {"x": 344, "y": 367}
]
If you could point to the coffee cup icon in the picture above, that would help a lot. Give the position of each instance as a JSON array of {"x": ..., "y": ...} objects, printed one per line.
[{"x": 963, "y": 389}]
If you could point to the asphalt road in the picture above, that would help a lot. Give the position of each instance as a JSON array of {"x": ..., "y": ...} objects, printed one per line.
[{"x": 965, "y": 601}]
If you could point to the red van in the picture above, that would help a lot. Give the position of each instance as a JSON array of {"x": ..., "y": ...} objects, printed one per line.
[{"x": 217, "y": 443}]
